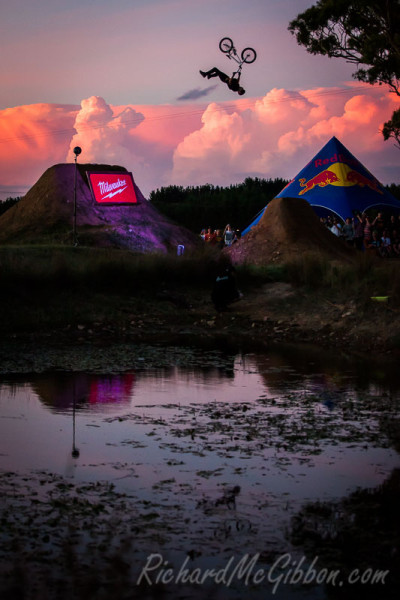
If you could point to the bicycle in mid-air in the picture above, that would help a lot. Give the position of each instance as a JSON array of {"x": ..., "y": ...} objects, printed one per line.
[{"x": 247, "y": 55}]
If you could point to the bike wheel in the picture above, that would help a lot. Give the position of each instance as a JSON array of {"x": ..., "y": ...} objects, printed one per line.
[
  {"x": 249, "y": 55},
  {"x": 226, "y": 45}
]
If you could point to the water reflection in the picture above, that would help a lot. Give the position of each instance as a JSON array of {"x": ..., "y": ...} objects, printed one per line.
[
  {"x": 327, "y": 370},
  {"x": 75, "y": 452},
  {"x": 71, "y": 392},
  {"x": 220, "y": 458},
  {"x": 62, "y": 392},
  {"x": 285, "y": 369}
]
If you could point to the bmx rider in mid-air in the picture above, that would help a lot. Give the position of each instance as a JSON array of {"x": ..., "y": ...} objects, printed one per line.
[
  {"x": 232, "y": 82},
  {"x": 248, "y": 56}
]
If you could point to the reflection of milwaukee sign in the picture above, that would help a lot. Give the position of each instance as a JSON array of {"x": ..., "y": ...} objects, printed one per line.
[{"x": 113, "y": 188}]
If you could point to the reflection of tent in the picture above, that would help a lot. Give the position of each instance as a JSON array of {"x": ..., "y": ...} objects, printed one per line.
[{"x": 334, "y": 181}]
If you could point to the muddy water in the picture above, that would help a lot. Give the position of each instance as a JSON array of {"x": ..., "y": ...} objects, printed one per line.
[{"x": 190, "y": 463}]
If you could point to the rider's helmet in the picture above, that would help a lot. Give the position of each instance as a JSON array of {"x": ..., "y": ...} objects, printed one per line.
[{"x": 241, "y": 91}]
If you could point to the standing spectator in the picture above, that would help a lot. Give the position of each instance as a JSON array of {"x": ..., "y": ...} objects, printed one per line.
[
  {"x": 219, "y": 238},
  {"x": 359, "y": 231},
  {"x": 348, "y": 232},
  {"x": 392, "y": 224},
  {"x": 373, "y": 243},
  {"x": 210, "y": 236},
  {"x": 335, "y": 228},
  {"x": 367, "y": 232},
  {"x": 386, "y": 244},
  {"x": 229, "y": 235},
  {"x": 379, "y": 224}
]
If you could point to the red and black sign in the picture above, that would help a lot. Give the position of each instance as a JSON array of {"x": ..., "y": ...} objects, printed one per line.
[{"x": 113, "y": 188}]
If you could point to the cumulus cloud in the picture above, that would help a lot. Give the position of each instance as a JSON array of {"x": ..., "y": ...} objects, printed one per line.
[
  {"x": 103, "y": 136},
  {"x": 197, "y": 93},
  {"x": 272, "y": 136},
  {"x": 282, "y": 131}
]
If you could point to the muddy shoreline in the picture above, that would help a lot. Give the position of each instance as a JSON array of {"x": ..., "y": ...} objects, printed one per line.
[{"x": 275, "y": 314}]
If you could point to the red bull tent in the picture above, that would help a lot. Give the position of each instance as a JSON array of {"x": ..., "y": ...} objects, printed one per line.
[{"x": 334, "y": 181}]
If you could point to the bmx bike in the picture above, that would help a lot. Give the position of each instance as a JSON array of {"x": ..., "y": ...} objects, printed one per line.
[{"x": 248, "y": 55}]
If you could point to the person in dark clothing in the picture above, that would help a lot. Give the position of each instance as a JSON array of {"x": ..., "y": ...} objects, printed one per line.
[
  {"x": 359, "y": 224},
  {"x": 232, "y": 82},
  {"x": 224, "y": 290}
]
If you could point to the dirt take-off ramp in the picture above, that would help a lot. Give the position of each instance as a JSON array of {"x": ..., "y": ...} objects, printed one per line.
[
  {"x": 45, "y": 214},
  {"x": 288, "y": 228}
]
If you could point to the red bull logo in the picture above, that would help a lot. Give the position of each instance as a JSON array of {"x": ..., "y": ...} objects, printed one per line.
[
  {"x": 321, "y": 180},
  {"x": 356, "y": 178},
  {"x": 341, "y": 175}
]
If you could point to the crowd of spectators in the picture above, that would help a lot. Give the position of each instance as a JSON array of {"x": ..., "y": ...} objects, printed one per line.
[
  {"x": 220, "y": 237},
  {"x": 380, "y": 235}
]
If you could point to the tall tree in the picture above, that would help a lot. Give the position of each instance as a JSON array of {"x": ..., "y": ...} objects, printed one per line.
[
  {"x": 363, "y": 32},
  {"x": 391, "y": 128}
]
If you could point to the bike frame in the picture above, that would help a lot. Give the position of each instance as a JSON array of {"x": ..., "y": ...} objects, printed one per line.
[
  {"x": 235, "y": 56},
  {"x": 231, "y": 53}
]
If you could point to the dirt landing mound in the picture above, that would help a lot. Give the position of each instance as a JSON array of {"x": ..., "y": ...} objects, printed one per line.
[
  {"x": 287, "y": 228},
  {"x": 45, "y": 215}
]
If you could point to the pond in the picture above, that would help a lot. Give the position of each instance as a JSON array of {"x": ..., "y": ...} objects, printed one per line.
[{"x": 184, "y": 480}]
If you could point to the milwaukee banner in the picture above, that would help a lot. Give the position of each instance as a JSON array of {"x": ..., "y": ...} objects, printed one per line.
[{"x": 113, "y": 188}]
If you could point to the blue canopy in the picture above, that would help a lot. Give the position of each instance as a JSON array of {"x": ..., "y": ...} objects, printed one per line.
[{"x": 334, "y": 181}]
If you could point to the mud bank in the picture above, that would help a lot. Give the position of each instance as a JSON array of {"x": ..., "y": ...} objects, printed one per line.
[{"x": 275, "y": 313}]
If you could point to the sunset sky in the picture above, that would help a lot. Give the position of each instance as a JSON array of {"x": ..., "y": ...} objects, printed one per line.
[{"x": 121, "y": 79}]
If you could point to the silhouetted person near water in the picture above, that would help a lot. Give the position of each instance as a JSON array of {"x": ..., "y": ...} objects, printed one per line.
[
  {"x": 224, "y": 291},
  {"x": 231, "y": 82}
]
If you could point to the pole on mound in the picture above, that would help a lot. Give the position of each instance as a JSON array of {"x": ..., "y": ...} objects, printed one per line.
[{"x": 76, "y": 151}]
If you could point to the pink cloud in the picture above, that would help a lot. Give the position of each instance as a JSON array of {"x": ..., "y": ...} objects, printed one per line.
[
  {"x": 282, "y": 131},
  {"x": 102, "y": 134},
  {"x": 141, "y": 138},
  {"x": 222, "y": 143},
  {"x": 32, "y": 138},
  {"x": 358, "y": 120},
  {"x": 279, "y": 105},
  {"x": 165, "y": 125}
]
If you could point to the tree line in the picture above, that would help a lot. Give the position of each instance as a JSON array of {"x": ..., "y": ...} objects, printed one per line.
[
  {"x": 198, "y": 207},
  {"x": 215, "y": 206},
  {"x": 8, "y": 203}
]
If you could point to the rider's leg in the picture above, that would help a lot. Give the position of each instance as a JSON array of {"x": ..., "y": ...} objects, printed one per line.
[{"x": 214, "y": 72}]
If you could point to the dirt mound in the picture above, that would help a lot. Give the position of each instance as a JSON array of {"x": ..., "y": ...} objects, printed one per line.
[
  {"x": 45, "y": 215},
  {"x": 288, "y": 227}
]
